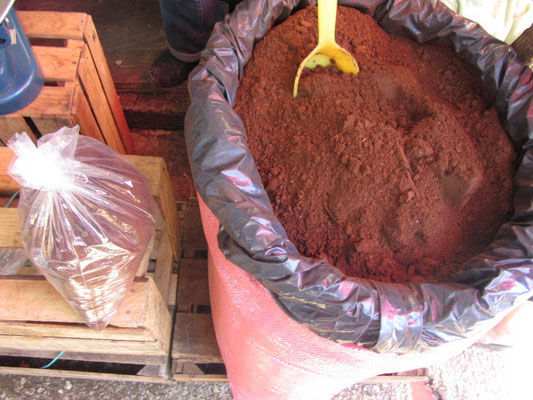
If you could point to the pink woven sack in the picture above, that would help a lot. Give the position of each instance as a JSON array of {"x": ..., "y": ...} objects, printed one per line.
[{"x": 269, "y": 356}]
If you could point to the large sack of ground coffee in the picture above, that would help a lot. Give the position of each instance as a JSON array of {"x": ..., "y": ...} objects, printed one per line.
[
  {"x": 289, "y": 325},
  {"x": 86, "y": 220}
]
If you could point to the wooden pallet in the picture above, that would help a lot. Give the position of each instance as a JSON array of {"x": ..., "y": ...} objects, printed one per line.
[
  {"x": 78, "y": 85},
  {"x": 195, "y": 353},
  {"x": 35, "y": 321}
]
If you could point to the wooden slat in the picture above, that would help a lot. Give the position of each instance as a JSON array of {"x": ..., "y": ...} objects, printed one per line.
[
  {"x": 83, "y": 115},
  {"x": 151, "y": 167},
  {"x": 97, "y": 53},
  {"x": 143, "y": 266},
  {"x": 11, "y": 124},
  {"x": 10, "y": 232},
  {"x": 48, "y": 330},
  {"x": 59, "y": 63},
  {"x": 98, "y": 102},
  {"x": 52, "y": 25},
  {"x": 52, "y": 373},
  {"x": 193, "y": 233},
  {"x": 199, "y": 378},
  {"x": 82, "y": 345},
  {"x": 29, "y": 270},
  {"x": 155, "y": 170},
  {"x": 194, "y": 339},
  {"x": 53, "y": 102},
  {"x": 50, "y": 125},
  {"x": 144, "y": 359},
  {"x": 167, "y": 205},
  {"x": 163, "y": 269},
  {"x": 153, "y": 370},
  {"x": 157, "y": 238},
  {"x": 51, "y": 110},
  {"x": 172, "y": 292},
  {"x": 34, "y": 299},
  {"x": 193, "y": 288},
  {"x": 7, "y": 184},
  {"x": 158, "y": 319}
]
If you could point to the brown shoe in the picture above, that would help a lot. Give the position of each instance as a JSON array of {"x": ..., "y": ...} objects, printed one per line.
[{"x": 167, "y": 70}]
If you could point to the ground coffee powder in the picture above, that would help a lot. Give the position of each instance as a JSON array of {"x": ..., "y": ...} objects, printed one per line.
[{"x": 398, "y": 174}]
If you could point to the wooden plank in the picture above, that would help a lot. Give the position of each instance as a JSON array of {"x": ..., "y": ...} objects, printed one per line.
[
  {"x": 173, "y": 289},
  {"x": 167, "y": 205},
  {"x": 98, "y": 102},
  {"x": 83, "y": 116},
  {"x": 157, "y": 238},
  {"x": 54, "y": 373},
  {"x": 104, "y": 346},
  {"x": 33, "y": 299},
  {"x": 144, "y": 359},
  {"x": 59, "y": 64},
  {"x": 193, "y": 289},
  {"x": 11, "y": 124},
  {"x": 152, "y": 370},
  {"x": 155, "y": 170},
  {"x": 376, "y": 380},
  {"x": 200, "y": 378},
  {"x": 6, "y": 199},
  {"x": 7, "y": 184},
  {"x": 158, "y": 319},
  {"x": 49, "y": 125},
  {"x": 191, "y": 368},
  {"x": 143, "y": 266},
  {"x": 163, "y": 268},
  {"x": 48, "y": 330},
  {"x": 194, "y": 339},
  {"x": 151, "y": 167},
  {"x": 53, "y": 102},
  {"x": 52, "y": 25},
  {"x": 193, "y": 232},
  {"x": 143, "y": 309},
  {"x": 97, "y": 53},
  {"x": 29, "y": 270},
  {"x": 10, "y": 233}
]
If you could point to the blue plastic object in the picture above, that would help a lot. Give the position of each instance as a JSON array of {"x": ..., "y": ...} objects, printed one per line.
[{"x": 21, "y": 77}]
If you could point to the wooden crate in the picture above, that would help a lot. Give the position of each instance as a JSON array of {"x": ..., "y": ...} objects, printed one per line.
[
  {"x": 195, "y": 353},
  {"x": 78, "y": 85},
  {"x": 36, "y": 322}
]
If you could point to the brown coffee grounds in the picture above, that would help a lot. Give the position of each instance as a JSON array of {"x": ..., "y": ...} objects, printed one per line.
[{"x": 399, "y": 174}]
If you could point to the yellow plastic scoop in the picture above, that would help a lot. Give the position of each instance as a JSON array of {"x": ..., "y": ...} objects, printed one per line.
[{"x": 327, "y": 48}]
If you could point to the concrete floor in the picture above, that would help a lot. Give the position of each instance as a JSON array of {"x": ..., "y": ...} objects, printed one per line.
[{"x": 479, "y": 373}]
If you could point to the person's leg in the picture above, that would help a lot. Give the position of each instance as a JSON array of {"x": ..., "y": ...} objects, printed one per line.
[{"x": 188, "y": 24}]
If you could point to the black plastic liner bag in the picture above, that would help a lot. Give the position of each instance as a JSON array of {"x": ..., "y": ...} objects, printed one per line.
[{"x": 343, "y": 309}]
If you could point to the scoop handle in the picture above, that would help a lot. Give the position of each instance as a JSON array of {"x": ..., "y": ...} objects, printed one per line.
[{"x": 327, "y": 16}]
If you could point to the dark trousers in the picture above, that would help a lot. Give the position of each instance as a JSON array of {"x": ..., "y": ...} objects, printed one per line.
[{"x": 188, "y": 24}]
